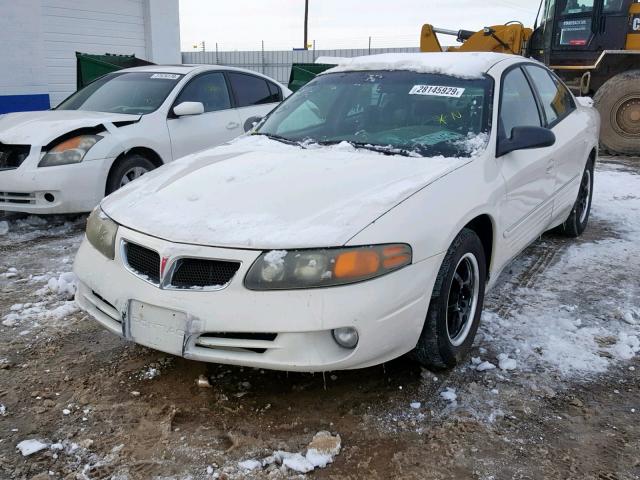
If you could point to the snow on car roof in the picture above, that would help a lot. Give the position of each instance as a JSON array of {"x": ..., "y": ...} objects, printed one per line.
[
  {"x": 181, "y": 69},
  {"x": 457, "y": 64}
]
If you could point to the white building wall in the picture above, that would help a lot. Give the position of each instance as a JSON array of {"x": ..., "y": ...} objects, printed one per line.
[{"x": 39, "y": 39}]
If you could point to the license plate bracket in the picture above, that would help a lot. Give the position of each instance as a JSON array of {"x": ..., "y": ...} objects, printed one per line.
[{"x": 157, "y": 327}]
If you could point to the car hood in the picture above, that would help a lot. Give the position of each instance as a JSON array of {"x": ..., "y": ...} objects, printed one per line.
[
  {"x": 258, "y": 193},
  {"x": 39, "y": 128}
]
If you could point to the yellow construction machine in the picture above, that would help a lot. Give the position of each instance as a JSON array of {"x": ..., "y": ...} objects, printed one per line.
[{"x": 593, "y": 45}]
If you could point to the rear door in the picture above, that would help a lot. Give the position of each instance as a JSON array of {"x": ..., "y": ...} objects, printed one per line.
[
  {"x": 569, "y": 151},
  {"x": 528, "y": 174},
  {"x": 254, "y": 96},
  {"x": 218, "y": 124}
]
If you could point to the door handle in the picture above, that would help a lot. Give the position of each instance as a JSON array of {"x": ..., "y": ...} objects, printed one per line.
[{"x": 232, "y": 125}]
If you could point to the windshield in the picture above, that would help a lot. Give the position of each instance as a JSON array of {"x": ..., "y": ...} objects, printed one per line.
[
  {"x": 568, "y": 7},
  {"x": 136, "y": 93},
  {"x": 396, "y": 111}
]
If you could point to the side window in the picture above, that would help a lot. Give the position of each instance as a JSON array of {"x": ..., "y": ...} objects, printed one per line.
[
  {"x": 556, "y": 99},
  {"x": 517, "y": 105},
  {"x": 250, "y": 90},
  {"x": 210, "y": 89}
]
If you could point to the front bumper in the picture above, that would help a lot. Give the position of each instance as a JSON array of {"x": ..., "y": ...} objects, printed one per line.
[
  {"x": 64, "y": 189},
  {"x": 283, "y": 330}
]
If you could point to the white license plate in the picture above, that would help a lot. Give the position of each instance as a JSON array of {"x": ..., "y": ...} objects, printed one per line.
[{"x": 156, "y": 327}]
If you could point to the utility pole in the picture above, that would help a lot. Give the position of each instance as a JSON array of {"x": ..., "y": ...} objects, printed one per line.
[{"x": 306, "y": 22}]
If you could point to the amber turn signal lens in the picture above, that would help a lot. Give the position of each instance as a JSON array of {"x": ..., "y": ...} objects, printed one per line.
[
  {"x": 357, "y": 263},
  {"x": 67, "y": 144}
]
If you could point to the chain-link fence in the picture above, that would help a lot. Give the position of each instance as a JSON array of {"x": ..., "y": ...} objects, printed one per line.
[{"x": 277, "y": 63}]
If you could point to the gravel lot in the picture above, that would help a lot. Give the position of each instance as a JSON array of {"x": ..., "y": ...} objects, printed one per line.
[{"x": 552, "y": 389}]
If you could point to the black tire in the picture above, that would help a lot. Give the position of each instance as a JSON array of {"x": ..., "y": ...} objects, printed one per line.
[
  {"x": 618, "y": 102},
  {"x": 436, "y": 349},
  {"x": 124, "y": 167},
  {"x": 579, "y": 216}
]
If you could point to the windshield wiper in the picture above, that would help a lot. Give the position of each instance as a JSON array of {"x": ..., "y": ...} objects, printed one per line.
[
  {"x": 384, "y": 149},
  {"x": 279, "y": 138}
]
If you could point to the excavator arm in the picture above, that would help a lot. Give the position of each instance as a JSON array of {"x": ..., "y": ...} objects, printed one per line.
[{"x": 510, "y": 38}]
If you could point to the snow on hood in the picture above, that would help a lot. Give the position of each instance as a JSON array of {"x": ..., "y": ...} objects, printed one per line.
[
  {"x": 263, "y": 194},
  {"x": 457, "y": 64},
  {"x": 39, "y": 128}
]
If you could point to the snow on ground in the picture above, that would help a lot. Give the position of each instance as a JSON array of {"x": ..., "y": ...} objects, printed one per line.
[
  {"x": 573, "y": 318},
  {"x": 583, "y": 312}
]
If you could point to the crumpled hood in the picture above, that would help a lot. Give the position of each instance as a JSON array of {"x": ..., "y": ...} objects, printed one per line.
[
  {"x": 258, "y": 193},
  {"x": 39, "y": 128}
]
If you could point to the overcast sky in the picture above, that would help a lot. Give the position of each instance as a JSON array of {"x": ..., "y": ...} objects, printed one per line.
[{"x": 243, "y": 24}]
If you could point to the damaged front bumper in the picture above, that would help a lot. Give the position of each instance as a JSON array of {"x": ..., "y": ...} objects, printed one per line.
[
  {"x": 283, "y": 330},
  {"x": 70, "y": 188}
]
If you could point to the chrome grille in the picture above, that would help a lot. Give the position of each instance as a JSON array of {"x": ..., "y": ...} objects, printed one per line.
[
  {"x": 143, "y": 261},
  {"x": 202, "y": 273},
  {"x": 12, "y": 156}
]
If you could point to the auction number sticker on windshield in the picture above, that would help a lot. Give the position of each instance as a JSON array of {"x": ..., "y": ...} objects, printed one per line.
[
  {"x": 166, "y": 76},
  {"x": 436, "y": 90}
]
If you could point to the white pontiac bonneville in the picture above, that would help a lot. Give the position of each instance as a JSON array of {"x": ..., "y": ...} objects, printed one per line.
[
  {"x": 364, "y": 218},
  {"x": 121, "y": 126}
]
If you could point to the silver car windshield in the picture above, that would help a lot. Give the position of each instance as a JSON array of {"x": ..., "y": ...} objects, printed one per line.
[{"x": 135, "y": 93}]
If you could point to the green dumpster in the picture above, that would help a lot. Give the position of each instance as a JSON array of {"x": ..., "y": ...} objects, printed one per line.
[
  {"x": 90, "y": 67},
  {"x": 303, "y": 73}
]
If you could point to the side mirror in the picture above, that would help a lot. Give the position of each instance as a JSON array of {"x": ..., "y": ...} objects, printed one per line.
[
  {"x": 188, "y": 108},
  {"x": 251, "y": 122},
  {"x": 524, "y": 138}
]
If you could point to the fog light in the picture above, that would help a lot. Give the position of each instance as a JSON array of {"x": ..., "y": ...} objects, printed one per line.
[
  {"x": 346, "y": 337},
  {"x": 49, "y": 197}
]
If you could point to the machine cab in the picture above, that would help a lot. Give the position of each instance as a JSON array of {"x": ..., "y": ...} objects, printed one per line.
[{"x": 574, "y": 32}]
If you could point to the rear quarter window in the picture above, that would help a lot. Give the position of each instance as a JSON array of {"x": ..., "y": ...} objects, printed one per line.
[{"x": 251, "y": 90}]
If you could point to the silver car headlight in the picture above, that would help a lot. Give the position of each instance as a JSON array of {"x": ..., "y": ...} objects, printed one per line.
[
  {"x": 101, "y": 233},
  {"x": 293, "y": 269},
  {"x": 72, "y": 150}
]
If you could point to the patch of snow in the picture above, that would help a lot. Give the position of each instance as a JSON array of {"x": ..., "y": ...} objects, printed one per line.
[
  {"x": 449, "y": 394},
  {"x": 250, "y": 464},
  {"x": 485, "y": 366},
  {"x": 4, "y": 227},
  {"x": 415, "y": 405},
  {"x": 506, "y": 363},
  {"x": 11, "y": 320},
  {"x": 298, "y": 463},
  {"x": 459, "y": 64},
  {"x": 31, "y": 446}
]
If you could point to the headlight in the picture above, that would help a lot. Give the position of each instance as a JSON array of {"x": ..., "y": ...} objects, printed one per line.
[
  {"x": 284, "y": 270},
  {"x": 101, "y": 233},
  {"x": 72, "y": 150}
]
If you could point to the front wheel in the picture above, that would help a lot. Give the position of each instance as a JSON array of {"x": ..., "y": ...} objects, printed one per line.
[
  {"x": 456, "y": 304},
  {"x": 127, "y": 169}
]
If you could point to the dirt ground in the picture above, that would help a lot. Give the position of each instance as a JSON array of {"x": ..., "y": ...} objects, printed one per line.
[{"x": 108, "y": 409}]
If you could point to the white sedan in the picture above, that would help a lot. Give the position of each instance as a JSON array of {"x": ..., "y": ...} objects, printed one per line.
[
  {"x": 363, "y": 219},
  {"x": 121, "y": 126}
]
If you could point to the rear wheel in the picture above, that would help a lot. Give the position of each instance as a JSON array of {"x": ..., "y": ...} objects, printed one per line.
[
  {"x": 126, "y": 170},
  {"x": 456, "y": 305},
  {"x": 579, "y": 216},
  {"x": 618, "y": 102}
]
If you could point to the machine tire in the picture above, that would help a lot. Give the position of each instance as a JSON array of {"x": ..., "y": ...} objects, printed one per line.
[
  {"x": 436, "y": 349},
  {"x": 618, "y": 102},
  {"x": 579, "y": 216},
  {"x": 133, "y": 162}
]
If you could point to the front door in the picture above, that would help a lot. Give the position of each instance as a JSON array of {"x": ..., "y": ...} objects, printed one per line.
[
  {"x": 218, "y": 124},
  {"x": 529, "y": 175}
]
